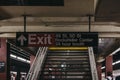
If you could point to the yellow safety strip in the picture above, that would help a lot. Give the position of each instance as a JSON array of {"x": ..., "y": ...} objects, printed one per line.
[{"x": 68, "y": 48}]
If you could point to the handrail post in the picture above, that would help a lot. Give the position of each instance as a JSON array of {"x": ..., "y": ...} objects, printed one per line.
[{"x": 92, "y": 64}]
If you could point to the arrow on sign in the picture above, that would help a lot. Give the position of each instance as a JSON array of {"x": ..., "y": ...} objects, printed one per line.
[{"x": 22, "y": 39}]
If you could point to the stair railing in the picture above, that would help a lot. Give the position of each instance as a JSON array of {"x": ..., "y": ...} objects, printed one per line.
[
  {"x": 35, "y": 68},
  {"x": 92, "y": 64}
]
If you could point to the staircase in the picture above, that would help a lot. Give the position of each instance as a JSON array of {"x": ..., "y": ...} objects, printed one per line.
[{"x": 66, "y": 65}]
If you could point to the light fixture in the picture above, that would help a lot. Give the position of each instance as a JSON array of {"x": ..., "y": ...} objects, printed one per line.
[
  {"x": 13, "y": 56},
  {"x": 19, "y": 58},
  {"x": 114, "y": 63},
  {"x": 115, "y": 51}
]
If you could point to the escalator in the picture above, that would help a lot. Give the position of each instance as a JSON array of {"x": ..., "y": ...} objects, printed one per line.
[{"x": 66, "y": 64}]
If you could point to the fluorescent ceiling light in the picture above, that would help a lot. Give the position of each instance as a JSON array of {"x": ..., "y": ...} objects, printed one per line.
[
  {"x": 117, "y": 62},
  {"x": 19, "y": 58},
  {"x": 22, "y": 59},
  {"x": 103, "y": 67},
  {"x": 115, "y": 51},
  {"x": 13, "y": 56},
  {"x": 28, "y": 61}
]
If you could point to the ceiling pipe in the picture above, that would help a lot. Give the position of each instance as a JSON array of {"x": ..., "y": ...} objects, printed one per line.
[
  {"x": 89, "y": 19},
  {"x": 24, "y": 22},
  {"x": 89, "y": 23}
]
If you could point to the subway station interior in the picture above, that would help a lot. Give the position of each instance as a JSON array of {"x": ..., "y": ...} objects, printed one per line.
[{"x": 59, "y": 39}]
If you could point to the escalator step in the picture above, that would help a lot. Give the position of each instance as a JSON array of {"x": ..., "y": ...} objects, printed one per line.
[
  {"x": 66, "y": 65},
  {"x": 66, "y": 51},
  {"x": 75, "y": 78},
  {"x": 69, "y": 70},
  {"x": 67, "y": 61},
  {"x": 67, "y": 54}
]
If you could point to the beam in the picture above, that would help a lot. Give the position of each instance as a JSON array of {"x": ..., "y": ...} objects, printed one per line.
[
  {"x": 95, "y": 4},
  {"x": 101, "y": 35},
  {"x": 62, "y": 28}
]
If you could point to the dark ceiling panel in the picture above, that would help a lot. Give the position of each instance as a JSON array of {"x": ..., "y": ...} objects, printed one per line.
[
  {"x": 108, "y": 10},
  {"x": 4, "y": 14},
  {"x": 31, "y": 2}
]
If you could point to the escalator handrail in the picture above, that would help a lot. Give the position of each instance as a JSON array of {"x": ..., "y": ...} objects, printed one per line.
[
  {"x": 92, "y": 64},
  {"x": 32, "y": 71}
]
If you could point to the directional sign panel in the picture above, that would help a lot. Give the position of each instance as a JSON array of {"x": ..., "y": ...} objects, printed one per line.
[
  {"x": 35, "y": 39},
  {"x": 2, "y": 67},
  {"x": 57, "y": 39},
  {"x": 22, "y": 39}
]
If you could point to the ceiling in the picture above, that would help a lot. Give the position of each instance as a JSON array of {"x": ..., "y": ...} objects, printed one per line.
[
  {"x": 72, "y": 16},
  {"x": 71, "y": 8},
  {"x": 108, "y": 10}
]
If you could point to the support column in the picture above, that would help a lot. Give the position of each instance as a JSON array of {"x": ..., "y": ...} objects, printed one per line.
[
  {"x": 3, "y": 58},
  {"x": 108, "y": 64},
  {"x": 99, "y": 70}
]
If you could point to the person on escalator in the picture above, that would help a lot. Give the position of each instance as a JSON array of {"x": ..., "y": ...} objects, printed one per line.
[{"x": 12, "y": 76}]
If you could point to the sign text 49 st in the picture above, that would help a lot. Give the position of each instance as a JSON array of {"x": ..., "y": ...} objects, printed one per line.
[{"x": 57, "y": 39}]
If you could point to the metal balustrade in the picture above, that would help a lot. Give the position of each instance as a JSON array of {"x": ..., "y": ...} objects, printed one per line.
[
  {"x": 37, "y": 64},
  {"x": 92, "y": 64},
  {"x": 63, "y": 65}
]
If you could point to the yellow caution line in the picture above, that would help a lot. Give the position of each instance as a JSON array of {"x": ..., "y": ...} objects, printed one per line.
[{"x": 68, "y": 48}]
